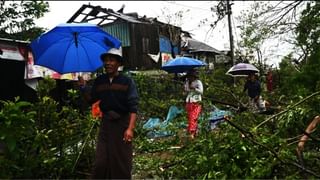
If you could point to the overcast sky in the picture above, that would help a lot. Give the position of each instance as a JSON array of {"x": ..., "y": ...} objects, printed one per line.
[{"x": 195, "y": 11}]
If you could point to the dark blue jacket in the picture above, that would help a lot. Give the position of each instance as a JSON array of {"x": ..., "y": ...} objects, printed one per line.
[
  {"x": 254, "y": 88},
  {"x": 120, "y": 95}
]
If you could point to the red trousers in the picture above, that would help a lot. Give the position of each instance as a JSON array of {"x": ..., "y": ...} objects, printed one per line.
[{"x": 193, "y": 112}]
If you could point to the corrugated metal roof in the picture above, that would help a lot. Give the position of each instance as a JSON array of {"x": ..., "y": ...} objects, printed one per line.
[
  {"x": 14, "y": 40},
  {"x": 120, "y": 31},
  {"x": 124, "y": 17},
  {"x": 196, "y": 46}
]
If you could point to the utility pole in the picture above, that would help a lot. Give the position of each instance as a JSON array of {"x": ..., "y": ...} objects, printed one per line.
[{"x": 229, "y": 12}]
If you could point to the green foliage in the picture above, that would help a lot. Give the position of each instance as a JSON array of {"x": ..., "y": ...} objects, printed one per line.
[
  {"x": 268, "y": 23},
  {"x": 286, "y": 74},
  {"x": 157, "y": 94},
  {"x": 48, "y": 140},
  {"x": 253, "y": 31},
  {"x": 228, "y": 153},
  {"x": 307, "y": 79},
  {"x": 232, "y": 151},
  {"x": 14, "y": 126},
  {"x": 307, "y": 29},
  {"x": 309, "y": 36},
  {"x": 17, "y": 120},
  {"x": 42, "y": 140},
  {"x": 17, "y": 19},
  {"x": 53, "y": 142}
]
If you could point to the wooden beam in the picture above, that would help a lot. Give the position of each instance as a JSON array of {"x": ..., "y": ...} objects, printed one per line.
[{"x": 83, "y": 7}]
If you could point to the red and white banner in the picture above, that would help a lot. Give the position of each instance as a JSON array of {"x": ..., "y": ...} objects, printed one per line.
[
  {"x": 10, "y": 52},
  {"x": 165, "y": 57}
]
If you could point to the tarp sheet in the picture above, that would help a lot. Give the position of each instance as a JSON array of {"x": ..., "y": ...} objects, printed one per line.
[
  {"x": 217, "y": 116},
  {"x": 157, "y": 128},
  {"x": 165, "y": 45}
]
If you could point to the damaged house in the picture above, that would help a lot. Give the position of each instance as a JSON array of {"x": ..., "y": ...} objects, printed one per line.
[
  {"x": 14, "y": 55},
  {"x": 193, "y": 48},
  {"x": 146, "y": 42}
]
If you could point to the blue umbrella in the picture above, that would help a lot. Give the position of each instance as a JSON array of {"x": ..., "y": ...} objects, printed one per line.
[
  {"x": 182, "y": 64},
  {"x": 72, "y": 47}
]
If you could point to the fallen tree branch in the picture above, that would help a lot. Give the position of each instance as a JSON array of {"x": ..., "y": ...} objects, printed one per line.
[
  {"x": 242, "y": 130},
  {"x": 289, "y": 108},
  {"x": 296, "y": 141},
  {"x": 234, "y": 96},
  {"x": 293, "y": 138},
  {"x": 84, "y": 144},
  {"x": 274, "y": 153},
  {"x": 224, "y": 103}
]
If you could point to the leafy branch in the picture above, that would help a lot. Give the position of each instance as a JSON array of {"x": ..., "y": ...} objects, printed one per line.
[
  {"x": 289, "y": 108},
  {"x": 251, "y": 138}
]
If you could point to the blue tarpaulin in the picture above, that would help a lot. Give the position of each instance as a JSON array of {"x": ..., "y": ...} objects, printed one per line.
[
  {"x": 217, "y": 116},
  {"x": 157, "y": 128},
  {"x": 175, "y": 50},
  {"x": 165, "y": 45}
]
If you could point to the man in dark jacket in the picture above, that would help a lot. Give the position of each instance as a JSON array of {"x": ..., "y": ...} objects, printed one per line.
[
  {"x": 119, "y": 104},
  {"x": 254, "y": 90}
]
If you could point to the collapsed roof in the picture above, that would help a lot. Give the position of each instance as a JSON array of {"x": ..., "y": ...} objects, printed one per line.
[
  {"x": 196, "y": 46},
  {"x": 104, "y": 15}
]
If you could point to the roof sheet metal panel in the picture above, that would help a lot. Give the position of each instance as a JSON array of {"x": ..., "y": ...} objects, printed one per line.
[
  {"x": 120, "y": 31},
  {"x": 197, "y": 46},
  {"x": 165, "y": 44},
  {"x": 125, "y": 17}
]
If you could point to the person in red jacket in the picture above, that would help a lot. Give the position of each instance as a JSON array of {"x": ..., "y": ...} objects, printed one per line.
[{"x": 269, "y": 81}]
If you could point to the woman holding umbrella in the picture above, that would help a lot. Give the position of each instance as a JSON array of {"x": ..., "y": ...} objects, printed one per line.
[{"x": 194, "y": 89}]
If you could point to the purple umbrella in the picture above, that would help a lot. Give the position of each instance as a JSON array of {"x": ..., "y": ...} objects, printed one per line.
[{"x": 242, "y": 69}]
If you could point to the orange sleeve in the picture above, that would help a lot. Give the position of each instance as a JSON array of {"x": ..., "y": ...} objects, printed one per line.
[{"x": 95, "y": 110}]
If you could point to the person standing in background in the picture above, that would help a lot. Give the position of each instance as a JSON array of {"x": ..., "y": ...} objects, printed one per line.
[
  {"x": 269, "y": 79},
  {"x": 194, "y": 89},
  {"x": 253, "y": 87}
]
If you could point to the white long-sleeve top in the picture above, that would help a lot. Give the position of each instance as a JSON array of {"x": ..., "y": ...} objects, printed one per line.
[{"x": 194, "y": 94}]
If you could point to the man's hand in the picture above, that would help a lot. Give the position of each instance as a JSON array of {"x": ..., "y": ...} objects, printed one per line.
[{"x": 128, "y": 135}]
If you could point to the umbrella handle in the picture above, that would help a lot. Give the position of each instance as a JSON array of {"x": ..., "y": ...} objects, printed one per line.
[{"x": 75, "y": 34}]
